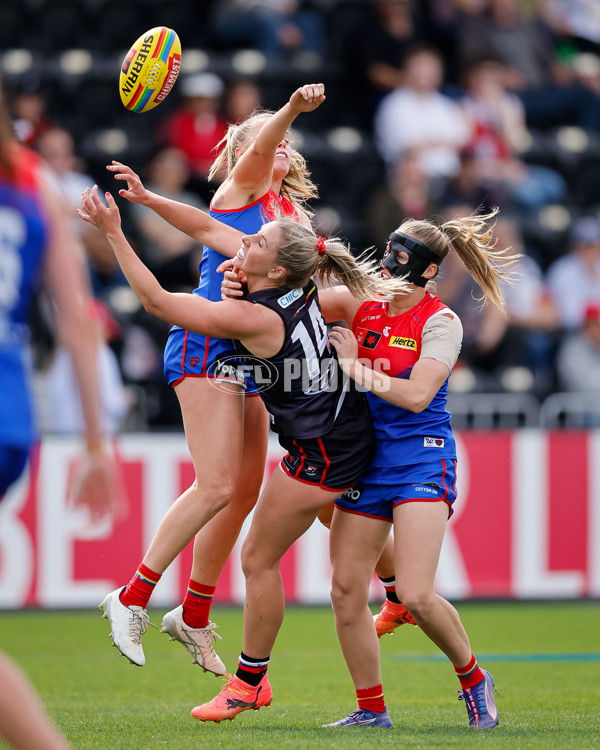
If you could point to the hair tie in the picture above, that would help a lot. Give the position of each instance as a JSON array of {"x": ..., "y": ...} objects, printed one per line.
[{"x": 321, "y": 246}]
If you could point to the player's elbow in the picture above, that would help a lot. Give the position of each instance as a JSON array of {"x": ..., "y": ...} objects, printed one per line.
[{"x": 418, "y": 401}]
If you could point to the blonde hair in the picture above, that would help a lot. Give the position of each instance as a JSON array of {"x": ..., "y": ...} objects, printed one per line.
[
  {"x": 296, "y": 186},
  {"x": 473, "y": 239},
  {"x": 299, "y": 254}
]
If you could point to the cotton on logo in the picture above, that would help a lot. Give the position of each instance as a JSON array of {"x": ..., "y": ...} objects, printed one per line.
[{"x": 430, "y": 442}]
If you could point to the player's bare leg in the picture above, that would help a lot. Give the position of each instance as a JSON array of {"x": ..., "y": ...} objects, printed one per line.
[
  {"x": 419, "y": 532},
  {"x": 213, "y": 426},
  {"x": 212, "y": 419},
  {"x": 284, "y": 512},
  {"x": 355, "y": 545},
  {"x": 214, "y": 542},
  {"x": 189, "y": 623}
]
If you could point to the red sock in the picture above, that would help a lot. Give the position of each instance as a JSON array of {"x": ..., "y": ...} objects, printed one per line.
[
  {"x": 371, "y": 699},
  {"x": 469, "y": 675},
  {"x": 196, "y": 605},
  {"x": 140, "y": 588}
]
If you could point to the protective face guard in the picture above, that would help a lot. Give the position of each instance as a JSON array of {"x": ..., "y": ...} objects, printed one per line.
[{"x": 419, "y": 258}]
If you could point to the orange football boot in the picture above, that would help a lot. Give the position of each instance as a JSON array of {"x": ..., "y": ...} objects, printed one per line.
[
  {"x": 236, "y": 696},
  {"x": 390, "y": 617}
]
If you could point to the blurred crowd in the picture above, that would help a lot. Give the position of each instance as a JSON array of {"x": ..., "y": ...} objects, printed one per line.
[{"x": 435, "y": 108}]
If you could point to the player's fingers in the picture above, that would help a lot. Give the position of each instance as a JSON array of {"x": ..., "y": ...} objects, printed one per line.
[
  {"x": 86, "y": 202},
  {"x": 225, "y": 265},
  {"x": 95, "y": 198},
  {"x": 110, "y": 200},
  {"x": 83, "y": 215}
]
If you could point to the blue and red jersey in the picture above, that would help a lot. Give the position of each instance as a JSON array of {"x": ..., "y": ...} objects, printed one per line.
[
  {"x": 248, "y": 220},
  {"x": 189, "y": 354},
  {"x": 392, "y": 344},
  {"x": 23, "y": 238}
]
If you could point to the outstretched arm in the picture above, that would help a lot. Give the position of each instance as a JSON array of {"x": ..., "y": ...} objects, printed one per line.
[
  {"x": 337, "y": 303},
  {"x": 254, "y": 169},
  {"x": 189, "y": 311},
  {"x": 188, "y": 219}
]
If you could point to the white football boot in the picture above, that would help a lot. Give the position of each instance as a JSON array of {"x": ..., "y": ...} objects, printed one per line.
[
  {"x": 198, "y": 641},
  {"x": 127, "y": 625}
]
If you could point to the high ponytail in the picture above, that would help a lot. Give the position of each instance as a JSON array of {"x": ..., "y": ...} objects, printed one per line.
[
  {"x": 473, "y": 240},
  {"x": 303, "y": 254}
]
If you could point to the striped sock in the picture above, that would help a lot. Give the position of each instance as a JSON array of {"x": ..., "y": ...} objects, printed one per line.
[
  {"x": 371, "y": 699},
  {"x": 139, "y": 590},
  {"x": 196, "y": 605},
  {"x": 251, "y": 670},
  {"x": 389, "y": 584},
  {"x": 469, "y": 675}
]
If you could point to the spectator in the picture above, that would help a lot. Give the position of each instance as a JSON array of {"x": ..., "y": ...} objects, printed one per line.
[
  {"x": 498, "y": 133},
  {"x": 404, "y": 195},
  {"x": 57, "y": 147},
  {"x": 30, "y": 117},
  {"x": 172, "y": 255},
  {"x": 466, "y": 188},
  {"x": 197, "y": 126},
  {"x": 578, "y": 359},
  {"x": 242, "y": 98},
  {"x": 576, "y": 19},
  {"x": 381, "y": 47},
  {"x": 532, "y": 319},
  {"x": 418, "y": 116},
  {"x": 527, "y": 48},
  {"x": 574, "y": 279},
  {"x": 275, "y": 27}
]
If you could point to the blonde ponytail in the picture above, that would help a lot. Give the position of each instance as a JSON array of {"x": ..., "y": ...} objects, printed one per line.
[
  {"x": 473, "y": 239},
  {"x": 302, "y": 254}
]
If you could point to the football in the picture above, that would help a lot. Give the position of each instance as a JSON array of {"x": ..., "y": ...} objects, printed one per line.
[{"x": 150, "y": 69}]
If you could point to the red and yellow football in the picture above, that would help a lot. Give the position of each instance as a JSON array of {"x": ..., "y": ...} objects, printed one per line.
[{"x": 150, "y": 69}]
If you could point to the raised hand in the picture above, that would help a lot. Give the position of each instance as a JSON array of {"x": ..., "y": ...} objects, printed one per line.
[
  {"x": 308, "y": 97},
  {"x": 135, "y": 192},
  {"x": 106, "y": 218}
]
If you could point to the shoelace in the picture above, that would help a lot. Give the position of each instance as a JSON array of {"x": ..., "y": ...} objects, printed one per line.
[
  {"x": 210, "y": 632},
  {"x": 208, "y": 635},
  {"x": 228, "y": 680},
  {"x": 475, "y": 700},
  {"x": 138, "y": 624}
]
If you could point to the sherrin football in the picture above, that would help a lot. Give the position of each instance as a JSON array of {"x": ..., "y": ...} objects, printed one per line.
[{"x": 150, "y": 69}]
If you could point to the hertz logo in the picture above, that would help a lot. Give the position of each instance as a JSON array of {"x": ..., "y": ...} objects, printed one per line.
[{"x": 403, "y": 343}]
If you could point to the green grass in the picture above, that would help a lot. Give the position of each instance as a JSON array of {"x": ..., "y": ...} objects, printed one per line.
[{"x": 100, "y": 701}]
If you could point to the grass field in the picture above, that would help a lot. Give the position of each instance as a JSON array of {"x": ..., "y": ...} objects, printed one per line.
[{"x": 545, "y": 659}]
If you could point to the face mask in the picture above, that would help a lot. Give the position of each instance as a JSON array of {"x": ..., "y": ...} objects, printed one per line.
[{"x": 419, "y": 258}]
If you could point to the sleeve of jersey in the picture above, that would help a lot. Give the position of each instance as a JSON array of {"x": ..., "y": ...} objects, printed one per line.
[{"x": 442, "y": 338}]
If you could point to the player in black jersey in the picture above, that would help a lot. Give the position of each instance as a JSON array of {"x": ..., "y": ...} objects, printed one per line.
[{"x": 321, "y": 420}]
